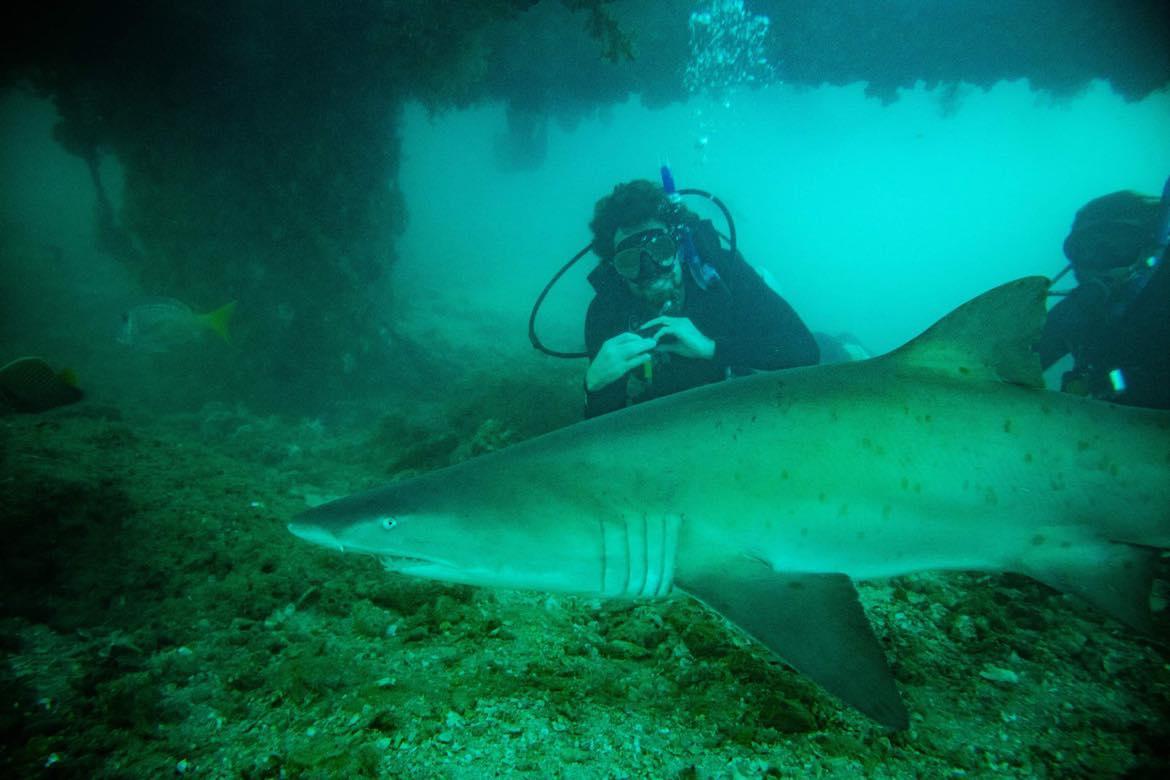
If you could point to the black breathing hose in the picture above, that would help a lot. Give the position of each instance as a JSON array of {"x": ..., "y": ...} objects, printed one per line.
[{"x": 540, "y": 299}]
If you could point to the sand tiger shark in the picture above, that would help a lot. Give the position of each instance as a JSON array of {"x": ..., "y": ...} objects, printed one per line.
[{"x": 765, "y": 497}]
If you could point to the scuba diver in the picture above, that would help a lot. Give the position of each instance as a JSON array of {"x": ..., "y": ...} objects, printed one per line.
[
  {"x": 1116, "y": 322},
  {"x": 673, "y": 308}
]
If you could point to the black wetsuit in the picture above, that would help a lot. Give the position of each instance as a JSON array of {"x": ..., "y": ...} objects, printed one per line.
[
  {"x": 1108, "y": 329},
  {"x": 753, "y": 329}
]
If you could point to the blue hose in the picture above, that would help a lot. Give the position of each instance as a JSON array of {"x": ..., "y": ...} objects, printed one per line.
[
  {"x": 669, "y": 188},
  {"x": 703, "y": 274}
]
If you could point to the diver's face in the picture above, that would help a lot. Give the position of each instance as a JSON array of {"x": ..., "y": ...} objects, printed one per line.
[
  {"x": 657, "y": 291},
  {"x": 647, "y": 258}
]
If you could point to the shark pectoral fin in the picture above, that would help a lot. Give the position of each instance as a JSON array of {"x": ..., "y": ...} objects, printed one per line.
[
  {"x": 1115, "y": 577},
  {"x": 815, "y": 623}
]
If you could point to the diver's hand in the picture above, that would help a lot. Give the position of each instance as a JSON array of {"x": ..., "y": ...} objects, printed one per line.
[
  {"x": 680, "y": 336},
  {"x": 617, "y": 356}
]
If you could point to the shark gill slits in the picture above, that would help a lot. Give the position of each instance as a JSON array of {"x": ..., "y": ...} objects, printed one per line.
[
  {"x": 1038, "y": 540},
  {"x": 1007, "y": 426}
]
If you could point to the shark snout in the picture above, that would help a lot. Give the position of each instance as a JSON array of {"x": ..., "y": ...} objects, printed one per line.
[{"x": 311, "y": 532}]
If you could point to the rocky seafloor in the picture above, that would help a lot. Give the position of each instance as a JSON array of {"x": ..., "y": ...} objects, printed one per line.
[{"x": 158, "y": 620}]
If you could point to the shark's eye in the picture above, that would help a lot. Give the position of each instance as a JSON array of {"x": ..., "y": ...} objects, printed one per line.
[{"x": 388, "y": 523}]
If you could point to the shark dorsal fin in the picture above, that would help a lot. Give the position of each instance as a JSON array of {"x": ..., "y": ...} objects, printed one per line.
[{"x": 989, "y": 337}]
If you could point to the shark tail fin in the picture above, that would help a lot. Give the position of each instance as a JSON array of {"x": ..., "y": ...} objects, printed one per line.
[{"x": 989, "y": 337}]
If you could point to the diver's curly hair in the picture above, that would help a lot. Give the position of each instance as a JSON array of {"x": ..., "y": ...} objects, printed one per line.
[{"x": 629, "y": 204}]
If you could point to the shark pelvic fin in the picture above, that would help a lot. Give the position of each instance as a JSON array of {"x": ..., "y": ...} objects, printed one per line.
[
  {"x": 816, "y": 624},
  {"x": 989, "y": 337},
  {"x": 1115, "y": 577}
]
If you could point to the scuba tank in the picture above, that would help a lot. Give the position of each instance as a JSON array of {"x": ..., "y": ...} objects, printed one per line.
[
  {"x": 1114, "y": 364},
  {"x": 1144, "y": 271},
  {"x": 1162, "y": 236}
]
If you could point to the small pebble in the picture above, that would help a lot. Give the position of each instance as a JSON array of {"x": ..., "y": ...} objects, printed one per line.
[{"x": 999, "y": 675}]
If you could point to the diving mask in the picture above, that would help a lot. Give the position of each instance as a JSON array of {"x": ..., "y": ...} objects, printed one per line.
[{"x": 645, "y": 255}]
